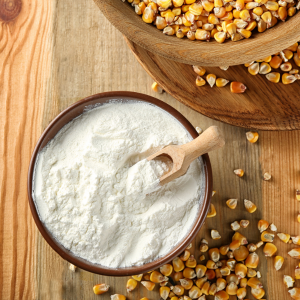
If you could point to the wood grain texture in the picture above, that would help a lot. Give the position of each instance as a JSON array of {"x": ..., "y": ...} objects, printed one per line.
[
  {"x": 23, "y": 73},
  {"x": 72, "y": 58},
  {"x": 123, "y": 16},
  {"x": 264, "y": 105}
]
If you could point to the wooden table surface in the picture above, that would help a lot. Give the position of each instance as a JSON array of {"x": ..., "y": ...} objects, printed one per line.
[{"x": 57, "y": 52}]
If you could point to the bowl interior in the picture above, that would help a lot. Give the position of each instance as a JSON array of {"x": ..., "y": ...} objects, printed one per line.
[
  {"x": 69, "y": 114},
  {"x": 123, "y": 17}
]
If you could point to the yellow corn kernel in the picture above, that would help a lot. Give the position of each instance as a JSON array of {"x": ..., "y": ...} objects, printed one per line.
[
  {"x": 212, "y": 212},
  {"x": 221, "y": 284},
  {"x": 258, "y": 11},
  {"x": 257, "y": 293},
  {"x": 221, "y": 295},
  {"x": 236, "y": 14},
  {"x": 234, "y": 226},
  {"x": 138, "y": 277},
  {"x": 272, "y": 5},
  {"x": 212, "y": 290},
  {"x": 191, "y": 262},
  {"x": 252, "y": 261},
  {"x": 166, "y": 269},
  {"x": 234, "y": 245},
  {"x": 212, "y": 19},
  {"x": 218, "y": 3},
  {"x": 148, "y": 285},
  {"x": 196, "y": 9},
  {"x": 240, "y": 5},
  {"x": 252, "y": 136},
  {"x": 214, "y": 254},
  {"x": 254, "y": 283},
  {"x": 200, "y": 81},
  {"x": 202, "y": 257},
  {"x": 199, "y": 70},
  {"x": 205, "y": 288},
  {"x": 195, "y": 292},
  {"x": 241, "y": 293},
  {"x": 189, "y": 273},
  {"x": 131, "y": 284},
  {"x": 251, "y": 247},
  {"x": 145, "y": 298},
  {"x": 231, "y": 28},
  {"x": 178, "y": 3},
  {"x": 237, "y": 87},
  {"x": 241, "y": 253},
  {"x": 265, "y": 68},
  {"x": 293, "y": 48},
  {"x": 282, "y": 13},
  {"x": 117, "y": 297},
  {"x": 230, "y": 263},
  {"x": 251, "y": 273},
  {"x": 169, "y": 30},
  {"x": 211, "y": 79},
  {"x": 224, "y": 250},
  {"x": 288, "y": 53},
  {"x": 190, "y": 1},
  {"x": 267, "y": 18},
  {"x": 211, "y": 265},
  {"x": 203, "y": 247},
  {"x": 185, "y": 255},
  {"x": 295, "y": 253},
  {"x": 231, "y": 203},
  {"x": 239, "y": 237},
  {"x": 253, "y": 69},
  {"x": 177, "y": 276},
  {"x": 207, "y": 5},
  {"x": 178, "y": 264},
  {"x": 251, "y": 26},
  {"x": 239, "y": 172},
  {"x": 164, "y": 3},
  {"x": 200, "y": 282},
  {"x": 225, "y": 271},
  {"x": 221, "y": 82},
  {"x": 269, "y": 249},
  {"x": 147, "y": 277},
  {"x": 231, "y": 289},
  {"x": 180, "y": 34},
  {"x": 245, "y": 15},
  {"x": 177, "y": 290},
  {"x": 220, "y": 37},
  {"x": 164, "y": 292},
  {"x": 288, "y": 281},
  {"x": 148, "y": 15},
  {"x": 100, "y": 288},
  {"x": 288, "y": 78},
  {"x": 191, "y": 35},
  {"x": 262, "y": 225},
  {"x": 297, "y": 272},
  {"x": 275, "y": 62},
  {"x": 202, "y": 35},
  {"x": 250, "y": 206},
  {"x": 284, "y": 237},
  {"x": 243, "y": 282},
  {"x": 210, "y": 274},
  {"x": 297, "y": 59},
  {"x": 215, "y": 235},
  {"x": 296, "y": 240},
  {"x": 240, "y": 270},
  {"x": 261, "y": 26},
  {"x": 273, "y": 77},
  {"x": 244, "y": 33},
  {"x": 295, "y": 293},
  {"x": 186, "y": 283},
  {"x": 157, "y": 277},
  {"x": 267, "y": 236}
]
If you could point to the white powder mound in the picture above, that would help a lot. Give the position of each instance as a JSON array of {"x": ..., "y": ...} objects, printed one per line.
[{"x": 99, "y": 202}]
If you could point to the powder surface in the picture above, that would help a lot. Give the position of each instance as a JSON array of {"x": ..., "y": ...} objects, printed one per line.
[{"x": 100, "y": 198}]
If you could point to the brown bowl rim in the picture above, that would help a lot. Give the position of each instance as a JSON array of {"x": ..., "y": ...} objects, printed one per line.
[
  {"x": 52, "y": 130},
  {"x": 201, "y": 53}
]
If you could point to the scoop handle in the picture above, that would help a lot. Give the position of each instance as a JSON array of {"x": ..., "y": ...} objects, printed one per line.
[{"x": 211, "y": 139}]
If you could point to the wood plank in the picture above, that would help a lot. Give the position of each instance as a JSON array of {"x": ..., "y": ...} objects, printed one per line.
[
  {"x": 23, "y": 74},
  {"x": 78, "y": 53}
]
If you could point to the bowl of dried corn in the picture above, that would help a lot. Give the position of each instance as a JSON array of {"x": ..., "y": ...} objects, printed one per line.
[{"x": 238, "y": 31}]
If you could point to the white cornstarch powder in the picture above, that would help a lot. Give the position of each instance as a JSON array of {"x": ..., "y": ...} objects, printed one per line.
[{"x": 101, "y": 199}]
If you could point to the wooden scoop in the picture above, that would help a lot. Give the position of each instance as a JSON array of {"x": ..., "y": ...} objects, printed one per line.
[{"x": 182, "y": 156}]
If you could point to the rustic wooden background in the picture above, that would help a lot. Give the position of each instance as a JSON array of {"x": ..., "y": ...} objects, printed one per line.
[{"x": 57, "y": 52}]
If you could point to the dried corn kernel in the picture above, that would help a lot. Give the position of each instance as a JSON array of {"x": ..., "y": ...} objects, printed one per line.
[
  {"x": 231, "y": 203},
  {"x": 296, "y": 240},
  {"x": 195, "y": 292},
  {"x": 295, "y": 293},
  {"x": 244, "y": 223},
  {"x": 177, "y": 290},
  {"x": 200, "y": 271},
  {"x": 211, "y": 264},
  {"x": 295, "y": 253},
  {"x": 252, "y": 247},
  {"x": 288, "y": 78},
  {"x": 138, "y": 277},
  {"x": 254, "y": 283},
  {"x": 212, "y": 212},
  {"x": 191, "y": 262},
  {"x": 237, "y": 87},
  {"x": 185, "y": 255},
  {"x": 273, "y": 77},
  {"x": 235, "y": 226},
  {"x": 199, "y": 70},
  {"x": 231, "y": 289},
  {"x": 234, "y": 245},
  {"x": 267, "y": 236},
  {"x": 221, "y": 295},
  {"x": 267, "y": 176},
  {"x": 200, "y": 282},
  {"x": 205, "y": 288},
  {"x": 157, "y": 277},
  {"x": 186, "y": 283},
  {"x": 211, "y": 79},
  {"x": 265, "y": 68},
  {"x": 288, "y": 281},
  {"x": 215, "y": 235},
  {"x": 250, "y": 206},
  {"x": 284, "y": 237},
  {"x": 189, "y": 273},
  {"x": 298, "y": 195},
  {"x": 177, "y": 276},
  {"x": 178, "y": 264},
  {"x": 297, "y": 272},
  {"x": 221, "y": 82},
  {"x": 164, "y": 292},
  {"x": 262, "y": 225},
  {"x": 148, "y": 285},
  {"x": 257, "y": 293},
  {"x": 252, "y": 260},
  {"x": 251, "y": 273},
  {"x": 240, "y": 270},
  {"x": 238, "y": 236},
  {"x": 131, "y": 285},
  {"x": 100, "y": 288},
  {"x": 278, "y": 262},
  {"x": 275, "y": 62},
  {"x": 243, "y": 282},
  {"x": 214, "y": 254},
  {"x": 252, "y": 136},
  {"x": 239, "y": 172},
  {"x": 253, "y": 69},
  {"x": 166, "y": 269},
  {"x": 269, "y": 249},
  {"x": 156, "y": 88}
]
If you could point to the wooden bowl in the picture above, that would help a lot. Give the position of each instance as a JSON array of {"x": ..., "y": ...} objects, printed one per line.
[
  {"x": 260, "y": 45},
  {"x": 68, "y": 115}
]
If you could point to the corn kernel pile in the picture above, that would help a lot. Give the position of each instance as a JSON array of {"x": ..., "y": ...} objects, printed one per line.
[{"x": 218, "y": 19}]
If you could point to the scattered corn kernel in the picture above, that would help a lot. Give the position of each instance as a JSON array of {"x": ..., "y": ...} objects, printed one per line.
[
  {"x": 252, "y": 247},
  {"x": 267, "y": 236},
  {"x": 298, "y": 195},
  {"x": 250, "y": 206},
  {"x": 177, "y": 290},
  {"x": 199, "y": 70},
  {"x": 221, "y": 82},
  {"x": 185, "y": 255},
  {"x": 195, "y": 292},
  {"x": 288, "y": 281},
  {"x": 269, "y": 249},
  {"x": 278, "y": 262},
  {"x": 131, "y": 285},
  {"x": 284, "y": 237},
  {"x": 241, "y": 253},
  {"x": 186, "y": 283},
  {"x": 178, "y": 264},
  {"x": 211, "y": 79},
  {"x": 191, "y": 262},
  {"x": 257, "y": 293},
  {"x": 221, "y": 295},
  {"x": 189, "y": 273},
  {"x": 295, "y": 293},
  {"x": 244, "y": 223},
  {"x": 215, "y": 235},
  {"x": 138, "y": 277},
  {"x": 239, "y": 172},
  {"x": 156, "y": 88},
  {"x": 296, "y": 240},
  {"x": 148, "y": 285},
  {"x": 166, "y": 269},
  {"x": 100, "y": 288},
  {"x": 273, "y": 77},
  {"x": 262, "y": 225},
  {"x": 237, "y": 87},
  {"x": 235, "y": 226},
  {"x": 200, "y": 81},
  {"x": 231, "y": 203},
  {"x": 212, "y": 212},
  {"x": 295, "y": 253},
  {"x": 252, "y": 260}
]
